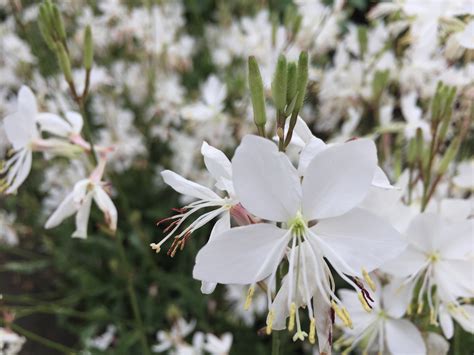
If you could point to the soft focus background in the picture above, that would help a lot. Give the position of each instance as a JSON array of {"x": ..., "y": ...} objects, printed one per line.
[{"x": 168, "y": 75}]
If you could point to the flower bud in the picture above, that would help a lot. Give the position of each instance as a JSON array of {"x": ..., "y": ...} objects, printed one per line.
[
  {"x": 449, "y": 155},
  {"x": 257, "y": 93},
  {"x": 58, "y": 23},
  {"x": 291, "y": 82},
  {"x": 279, "y": 83},
  {"x": 302, "y": 80},
  {"x": 88, "y": 48},
  {"x": 64, "y": 62}
]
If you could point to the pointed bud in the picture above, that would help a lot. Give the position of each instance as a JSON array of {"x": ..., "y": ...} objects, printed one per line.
[
  {"x": 302, "y": 80},
  {"x": 363, "y": 39},
  {"x": 58, "y": 23},
  {"x": 257, "y": 93},
  {"x": 279, "y": 83},
  {"x": 88, "y": 48},
  {"x": 291, "y": 82},
  {"x": 449, "y": 155},
  {"x": 64, "y": 62}
]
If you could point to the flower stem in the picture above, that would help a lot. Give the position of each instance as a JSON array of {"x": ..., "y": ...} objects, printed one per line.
[{"x": 276, "y": 343}]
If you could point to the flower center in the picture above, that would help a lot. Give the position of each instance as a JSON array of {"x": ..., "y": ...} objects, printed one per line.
[
  {"x": 433, "y": 257},
  {"x": 298, "y": 225}
]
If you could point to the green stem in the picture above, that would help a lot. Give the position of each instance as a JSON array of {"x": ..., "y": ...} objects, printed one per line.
[
  {"x": 41, "y": 340},
  {"x": 132, "y": 294},
  {"x": 87, "y": 129},
  {"x": 276, "y": 343}
]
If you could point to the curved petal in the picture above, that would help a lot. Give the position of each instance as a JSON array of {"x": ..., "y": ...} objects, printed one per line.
[
  {"x": 23, "y": 166},
  {"x": 310, "y": 150},
  {"x": 338, "y": 179},
  {"x": 265, "y": 182},
  {"x": 446, "y": 322},
  {"x": 54, "y": 124},
  {"x": 216, "y": 162},
  {"x": 187, "y": 187},
  {"x": 75, "y": 120},
  {"x": 66, "y": 209},
  {"x": 242, "y": 255},
  {"x": 454, "y": 278},
  {"x": 301, "y": 133},
  {"x": 397, "y": 297},
  {"x": 106, "y": 206},
  {"x": 357, "y": 240},
  {"x": 27, "y": 103},
  {"x": 403, "y": 338},
  {"x": 17, "y": 130},
  {"x": 82, "y": 217},
  {"x": 381, "y": 180},
  {"x": 464, "y": 316}
]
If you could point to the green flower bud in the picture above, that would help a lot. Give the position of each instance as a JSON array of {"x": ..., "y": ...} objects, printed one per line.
[
  {"x": 449, "y": 155},
  {"x": 88, "y": 48},
  {"x": 291, "y": 83},
  {"x": 302, "y": 80},
  {"x": 279, "y": 83},
  {"x": 257, "y": 93},
  {"x": 379, "y": 83},
  {"x": 363, "y": 39},
  {"x": 58, "y": 23},
  {"x": 64, "y": 62}
]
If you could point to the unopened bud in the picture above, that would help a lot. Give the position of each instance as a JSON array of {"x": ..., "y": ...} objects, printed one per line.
[
  {"x": 449, "y": 155},
  {"x": 257, "y": 93},
  {"x": 291, "y": 82},
  {"x": 302, "y": 80},
  {"x": 58, "y": 23},
  {"x": 279, "y": 83},
  {"x": 64, "y": 62},
  {"x": 88, "y": 48}
]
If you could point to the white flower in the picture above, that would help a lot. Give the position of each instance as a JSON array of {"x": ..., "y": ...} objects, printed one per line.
[
  {"x": 10, "y": 342},
  {"x": 464, "y": 178},
  {"x": 382, "y": 328},
  {"x": 22, "y": 132},
  {"x": 463, "y": 314},
  {"x": 103, "y": 341},
  {"x": 319, "y": 215},
  {"x": 220, "y": 168},
  {"x": 174, "y": 338},
  {"x": 213, "y": 94},
  {"x": 439, "y": 253},
  {"x": 79, "y": 202},
  {"x": 218, "y": 346}
]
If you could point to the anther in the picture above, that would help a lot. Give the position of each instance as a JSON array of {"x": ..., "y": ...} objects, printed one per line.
[
  {"x": 312, "y": 331},
  {"x": 364, "y": 303},
  {"x": 270, "y": 318},
  {"x": 248, "y": 301},
  {"x": 291, "y": 323},
  {"x": 367, "y": 279}
]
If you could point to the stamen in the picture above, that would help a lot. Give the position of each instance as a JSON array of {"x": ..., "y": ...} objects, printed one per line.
[
  {"x": 248, "y": 301},
  {"x": 342, "y": 314},
  {"x": 420, "y": 307},
  {"x": 291, "y": 323},
  {"x": 155, "y": 247},
  {"x": 364, "y": 303},
  {"x": 312, "y": 331},
  {"x": 270, "y": 318},
  {"x": 367, "y": 279}
]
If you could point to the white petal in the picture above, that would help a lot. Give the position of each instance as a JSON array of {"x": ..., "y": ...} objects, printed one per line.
[
  {"x": 465, "y": 317},
  {"x": 265, "y": 182},
  {"x": 454, "y": 278},
  {"x": 424, "y": 231},
  {"x": 27, "y": 103},
  {"x": 338, "y": 179},
  {"x": 239, "y": 255},
  {"x": 216, "y": 162},
  {"x": 457, "y": 240},
  {"x": 187, "y": 187},
  {"x": 404, "y": 338},
  {"x": 222, "y": 225},
  {"x": 76, "y": 121},
  {"x": 396, "y": 298},
  {"x": 405, "y": 264},
  {"x": 323, "y": 323},
  {"x": 80, "y": 190},
  {"x": 310, "y": 150},
  {"x": 302, "y": 133},
  {"x": 446, "y": 322},
  {"x": 381, "y": 180},
  {"x": 357, "y": 240},
  {"x": 24, "y": 168},
  {"x": 53, "y": 124},
  {"x": 107, "y": 206},
  {"x": 82, "y": 217},
  {"x": 18, "y": 130},
  {"x": 66, "y": 209}
]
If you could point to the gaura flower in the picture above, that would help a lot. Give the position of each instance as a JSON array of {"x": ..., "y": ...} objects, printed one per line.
[
  {"x": 440, "y": 254},
  {"x": 318, "y": 216},
  {"x": 383, "y": 328},
  {"x": 218, "y": 346},
  {"x": 79, "y": 202},
  {"x": 462, "y": 313},
  {"x": 220, "y": 168},
  {"x": 23, "y": 133}
]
